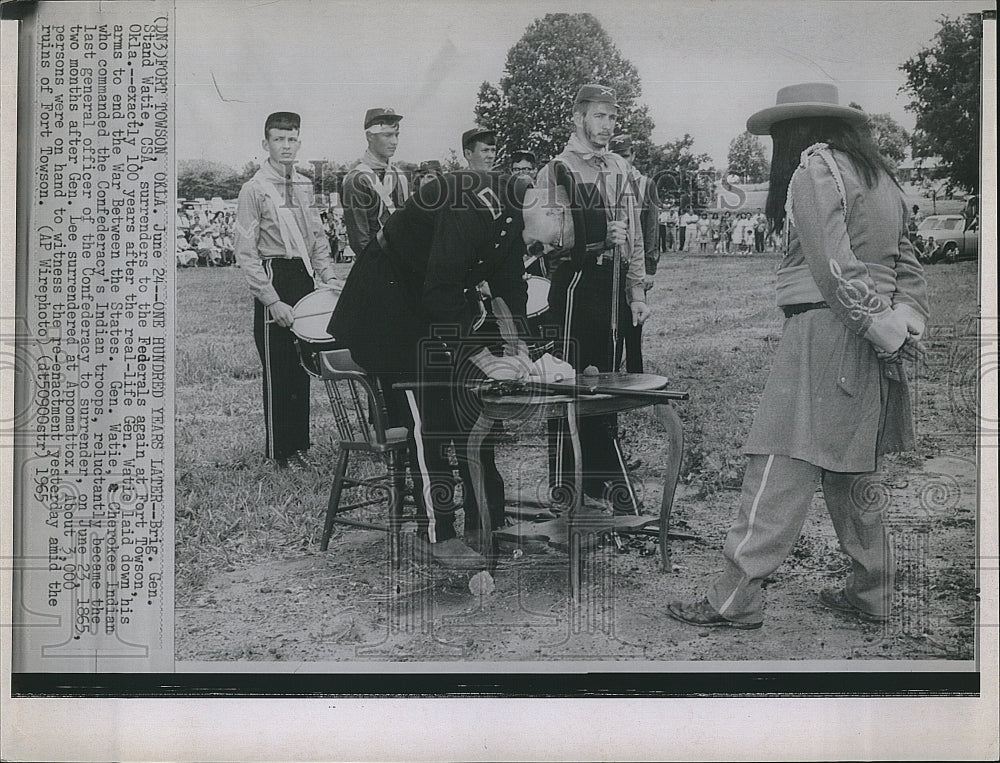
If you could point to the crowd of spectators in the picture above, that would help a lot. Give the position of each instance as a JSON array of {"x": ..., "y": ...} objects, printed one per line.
[
  {"x": 205, "y": 238},
  {"x": 713, "y": 232}
]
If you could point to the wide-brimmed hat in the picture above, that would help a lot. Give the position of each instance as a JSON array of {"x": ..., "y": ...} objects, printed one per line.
[{"x": 809, "y": 99}]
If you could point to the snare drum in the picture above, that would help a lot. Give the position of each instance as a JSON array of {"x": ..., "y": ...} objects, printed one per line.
[
  {"x": 538, "y": 301},
  {"x": 311, "y": 316}
]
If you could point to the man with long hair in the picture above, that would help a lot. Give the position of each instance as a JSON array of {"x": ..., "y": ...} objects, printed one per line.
[
  {"x": 405, "y": 315},
  {"x": 855, "y": 304}
]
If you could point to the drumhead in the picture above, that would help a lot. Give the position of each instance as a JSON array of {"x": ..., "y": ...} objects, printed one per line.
[
  {"x": 538, "y": 295},
  {"x": 312, "y": 315}
]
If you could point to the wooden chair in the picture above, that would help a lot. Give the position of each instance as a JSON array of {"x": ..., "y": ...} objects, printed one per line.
[{"x": 359, "y": 412}]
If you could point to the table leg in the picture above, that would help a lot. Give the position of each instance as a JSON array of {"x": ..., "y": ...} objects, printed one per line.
[
  {"x": 674, "y": 429},
  {"x": 477, "y": 436},
  {"x": 575, "y": 544}
]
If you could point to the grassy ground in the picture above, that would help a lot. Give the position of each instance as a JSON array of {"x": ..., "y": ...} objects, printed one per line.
[{"x": 714, "y": 332}]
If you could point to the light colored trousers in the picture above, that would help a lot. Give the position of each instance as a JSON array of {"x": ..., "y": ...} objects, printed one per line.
[{"x": 777, "y": 493}]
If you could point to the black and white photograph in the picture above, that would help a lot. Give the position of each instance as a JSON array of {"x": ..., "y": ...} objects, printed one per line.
[{"x": 524, "y": 349}]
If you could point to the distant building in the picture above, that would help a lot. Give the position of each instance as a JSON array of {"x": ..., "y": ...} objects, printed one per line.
[{"x": 918, "y": 169}]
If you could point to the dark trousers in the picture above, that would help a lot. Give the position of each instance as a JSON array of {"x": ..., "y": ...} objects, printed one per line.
[
  {"x": 663, "y": 246},
  {"x": 629, "y": 342},
  {"x": 758, "y": 241},
  {"x": 580, "y": 303},
  {"x": 440, "y": 419},
  {"x": 285, "y": 383},
  {"x": 681, "y": 237}
]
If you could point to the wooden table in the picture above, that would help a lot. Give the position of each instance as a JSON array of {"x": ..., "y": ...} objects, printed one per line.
[{"x": 575, "y": 528}]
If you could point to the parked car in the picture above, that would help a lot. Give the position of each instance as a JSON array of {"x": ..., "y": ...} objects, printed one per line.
[{"x": 955, "y": 238}]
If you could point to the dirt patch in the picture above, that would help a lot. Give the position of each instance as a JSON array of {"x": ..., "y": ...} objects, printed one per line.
[{"x": 348, "y": 605}]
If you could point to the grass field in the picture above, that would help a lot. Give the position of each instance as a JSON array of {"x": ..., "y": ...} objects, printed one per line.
[{"x": 713, "y": 332}]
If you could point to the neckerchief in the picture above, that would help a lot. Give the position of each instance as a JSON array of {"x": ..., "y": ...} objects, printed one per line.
[
  {"x": 383, "y": 187},
  {"x": 268, "y": 180},
  {"x": 598, "y": 156}
]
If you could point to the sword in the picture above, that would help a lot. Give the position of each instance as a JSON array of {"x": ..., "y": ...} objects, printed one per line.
[{"x": 518, "y": 387}]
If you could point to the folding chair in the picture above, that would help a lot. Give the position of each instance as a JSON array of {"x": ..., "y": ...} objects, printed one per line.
[{"x": 359, "y": 412}]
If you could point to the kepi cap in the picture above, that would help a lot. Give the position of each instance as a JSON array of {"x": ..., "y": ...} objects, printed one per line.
[
  {"x": 620, "y": 144},
  {"x": 431, "y": 165},
  {"x": 283, "y": 120},
  {"x": 596, "y": 94},
  {"x": 522, "y": 153},
  {"x": 383, "y": 116},
  {"x": 469, "y": 137},
  {"x": 808, "y": 99}
]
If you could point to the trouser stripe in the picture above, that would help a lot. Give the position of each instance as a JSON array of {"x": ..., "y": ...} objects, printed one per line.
[
  {"x": 418, "y": 436},
  {"x": 268, "y": 379},
  {"x": 753, "y": 515}
]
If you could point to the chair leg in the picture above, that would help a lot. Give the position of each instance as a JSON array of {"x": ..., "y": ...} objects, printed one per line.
[
  {"x": 397, "y": 478},
  {"x": 334, "y": 503}
]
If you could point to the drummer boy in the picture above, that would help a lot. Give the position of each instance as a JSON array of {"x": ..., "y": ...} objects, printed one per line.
[{"x": 281, "y": 247}]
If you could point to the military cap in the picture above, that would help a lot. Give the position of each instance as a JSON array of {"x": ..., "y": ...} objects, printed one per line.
[
  {"x": 470, "y": 137},
  {"x": 431, "y": 165},
  {"x": 597, "y": 94},
  {"x": 620, "y": 144},
  {"x": 381, "y": 116},
  {"x": 523, "y": 153},
  {"x": 282, "y": 120}
]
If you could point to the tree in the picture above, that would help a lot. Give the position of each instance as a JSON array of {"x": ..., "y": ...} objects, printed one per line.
[
  {"x": 544, "y": 69},
  {"x": 681, "y": 176},
  {"x": 746, "y": 158},
  {"x": 200, "y": 178},
  {"x": 943, "y": 80},
  {"x": 890, "y": 137}
]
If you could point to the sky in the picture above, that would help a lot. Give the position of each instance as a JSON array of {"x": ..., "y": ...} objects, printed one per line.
[{"x": 705, "y": 65}]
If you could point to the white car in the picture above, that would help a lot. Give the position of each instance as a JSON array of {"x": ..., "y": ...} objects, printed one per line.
[{"x": 954, "y": 238}]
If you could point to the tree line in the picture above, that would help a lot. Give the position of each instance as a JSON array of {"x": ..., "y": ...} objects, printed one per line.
[{"x": 558, "y": 53}]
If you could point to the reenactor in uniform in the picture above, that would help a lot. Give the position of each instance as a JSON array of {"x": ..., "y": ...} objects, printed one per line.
[
  {"x": 427, "y": 172},
  {"x": 450, "y": 236},
  {"x": 645, "y": 191},
  {"x": 281, "y": 246},
  {"x": 593, "y": 184},
  {"x": 375, "y": 187},
  {"x": 479, "y": 146}
]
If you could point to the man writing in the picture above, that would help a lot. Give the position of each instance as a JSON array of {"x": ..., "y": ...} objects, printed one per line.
[
  {"x": 606, "y": 234},
  {"x": 455, "y": 232},
  {"x": 375, "y": 188},
  {"x": 280, "y": 245}
]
